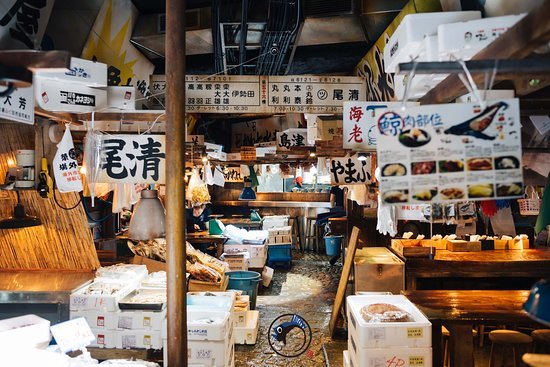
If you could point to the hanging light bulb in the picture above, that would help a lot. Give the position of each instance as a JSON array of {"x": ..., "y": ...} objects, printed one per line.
[
  {"x": 204, "y": 160},
  {"x": 147, "y": 221}
]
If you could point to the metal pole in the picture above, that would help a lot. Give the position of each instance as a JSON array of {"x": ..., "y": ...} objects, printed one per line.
[{"x": 175, "y": 189}]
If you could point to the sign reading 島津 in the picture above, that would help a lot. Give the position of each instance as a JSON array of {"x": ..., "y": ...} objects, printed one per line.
[
  {"x": 291, "y": 138},
  {"x": 450, "y": 152},
  {"x": 133, "y": 159},
  {"x": 265, "y": 94}
]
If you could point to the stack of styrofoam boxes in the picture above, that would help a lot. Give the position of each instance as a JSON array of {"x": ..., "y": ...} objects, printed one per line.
[
  {"x": 404, "y": 344},
  {"x": 247, "y": 322},
  {"x": 101, "y": 311},
  {"x": 271, "y": 221},
  {"x": 408, "y": 43},
  {"x": 257, "y": 253}
]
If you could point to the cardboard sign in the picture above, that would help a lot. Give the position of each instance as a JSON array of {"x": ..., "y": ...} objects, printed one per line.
[
  {"x": 359, "y": 124},
  {"x": 233, "y": 174},
  {"x": 450, "y": 152},
  {"x": 133, "y": 159},
  {"x": 18, "y": 106},
  {"x": 73, "y": 334},
  {"x": 291, "y": 138},
  {"x": 349, "y": 171}
]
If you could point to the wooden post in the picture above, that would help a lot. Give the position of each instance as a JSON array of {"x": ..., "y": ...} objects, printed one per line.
[{"x": 175, "y": 189}]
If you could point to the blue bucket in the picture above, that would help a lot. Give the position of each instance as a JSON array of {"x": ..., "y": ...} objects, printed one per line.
[
  {"x": 333, "y": 245},
  {"x": 246, "y": 281}
]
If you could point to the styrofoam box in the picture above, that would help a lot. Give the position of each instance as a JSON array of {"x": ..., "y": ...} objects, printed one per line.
[
  {"x": 405, "y": 41},
  {"x": 212, "y": 353},
  {"x": 253, "y": 250},
  {"x": 53, "y": 95},
  {"x": 392, "y": 356},
  {"x": 388, "y": 334},
  {"x": 121, "y": 98},
  {"x": 82, "y": 71},
  {"x": 199, "y": 330},
  {"x": 237, "y": 261},
  {"x": 28, "y": 330},
  {"x": 99, "y": 320},
  {"x": 141, "y": 320},
  {"x": 240, "y": 317},
  {"x": 80, "y": 301},
  {"x": 420, "y": 85},
  {"x": 230, "y": 360},
  {"x": 274, "y": 221},
  {"x": 104, "y": 338},
  {"x": 257, "y": 262},
  {"x": 216, "y": 303},
  {"x": 148, "y": 339},
  {"x": 122, "y": 272},
  {"x": 463, "y": 39},
  {"x": 347, "y": 362},
  {"x": 248, "y": 334}
]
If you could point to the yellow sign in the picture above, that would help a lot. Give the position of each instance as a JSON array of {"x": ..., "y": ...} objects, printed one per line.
[
  {"x": 415, "y": 333},
  {"x": 416, "y": 361}
]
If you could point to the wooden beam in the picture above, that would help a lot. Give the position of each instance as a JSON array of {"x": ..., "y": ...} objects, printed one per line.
[
  {"x": 31, "y": 59},
  {"x": 130, "y": 116},
  {"x": 517, "y": 42}
]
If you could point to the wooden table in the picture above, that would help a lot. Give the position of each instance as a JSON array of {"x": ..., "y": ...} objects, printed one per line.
[
  {"x": 459, "y": 310},
  {"x": 201, "y": 238},
  {"x": 532, "y": 264}
]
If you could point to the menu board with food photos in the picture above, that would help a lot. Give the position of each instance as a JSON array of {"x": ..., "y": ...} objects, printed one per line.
[{"x": 450, "y": 152}]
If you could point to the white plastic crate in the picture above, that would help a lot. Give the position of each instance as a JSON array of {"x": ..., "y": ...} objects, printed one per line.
[
  {"x": 392, "y": 356},
  {"x": 247, "y": 335},
  {"x": 28, "y": 330},
  {"x": 98, "y": 320},
  {"x": 463, "y": 39},
  {"x": 80, "y": 301},
  {"x": 405, "y": 42},
  {"x": 215, "y": 329},
  {"x": 104, "y": 338},
  {"x": 387, "y": 334}
]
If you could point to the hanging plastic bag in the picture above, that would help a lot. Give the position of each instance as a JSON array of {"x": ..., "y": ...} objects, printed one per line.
[
  {"x": 93, "y": 144},
  {"x": 386, "y": 214},
  {"x": 245, "y": 170},
  {"x": 65, "y": 166},
  {"x": 208, "y": 177},
  {"x": 219, "y": 178},
  {"x": 197, "y": 191}
]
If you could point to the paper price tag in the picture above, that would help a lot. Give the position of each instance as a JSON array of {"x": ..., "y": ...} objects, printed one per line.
[
  {"x": 125, "y": 322},
  {"x": 129, "y": 341},
  {"x": 73, "y": 334},
  {"x": 416, "y": 361},
  {"x": 204, "y": 354},
  {"x": 377, "y": 334},
  {"x": 414, "y": 333}
]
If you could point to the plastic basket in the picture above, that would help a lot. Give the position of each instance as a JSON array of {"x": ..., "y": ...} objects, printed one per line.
[{"x": 531, "y": 204}]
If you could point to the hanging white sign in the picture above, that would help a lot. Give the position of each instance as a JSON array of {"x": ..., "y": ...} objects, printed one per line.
[
  {"x": 450, "y": 152},
  {"x": 133, "y": 159},
  {"x": 265, "y": 94},
  {"x": 349, "y": 171},
  {"x": 23, "y": 23},
  {"x": 291, "y": 138},
  {"x": 359, "y": 124},
  {"x": 65, "y": 166},
  {"x": 18, "y": 106}
]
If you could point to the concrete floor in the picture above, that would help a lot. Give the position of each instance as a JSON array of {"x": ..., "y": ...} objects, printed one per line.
[{"x": 308, "y": 289}]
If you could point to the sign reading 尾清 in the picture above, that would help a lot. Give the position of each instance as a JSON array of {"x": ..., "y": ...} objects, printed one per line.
[
  {"x": 291, "y": 138},
  {"x": 349, "y": 171},
  {"x": 18, "y": 106},
  {"x": 133, "y": 159},
  {"x": 264, "y": 94},
  {"x": 450, "y": 152},
  {"x": 359, "y": 124}
]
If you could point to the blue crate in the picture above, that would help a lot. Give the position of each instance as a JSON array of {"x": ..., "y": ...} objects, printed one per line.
[{"x": 279, "y": 253}]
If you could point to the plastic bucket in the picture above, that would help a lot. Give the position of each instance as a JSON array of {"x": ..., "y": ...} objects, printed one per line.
[
  {"x": 333, "y": 245},
  {"x": 246, "y": 281}
]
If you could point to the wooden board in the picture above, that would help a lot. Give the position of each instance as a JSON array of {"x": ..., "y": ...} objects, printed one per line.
[{"x": 341, "y": 293}]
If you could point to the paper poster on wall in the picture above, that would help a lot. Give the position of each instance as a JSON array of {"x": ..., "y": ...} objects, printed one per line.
[
  {"x": 450, "y": 152},
  {"x": 233, "y": 174},
  {"x": 133, "y": 159},
  {"x": 18, "y": 106},
  {"x": 349, "y": 171},
  {"x": 359, "y": 124}
]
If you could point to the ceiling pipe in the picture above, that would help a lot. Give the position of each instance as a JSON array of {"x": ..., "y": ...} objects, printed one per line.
[{"x": 175, "y": 189}]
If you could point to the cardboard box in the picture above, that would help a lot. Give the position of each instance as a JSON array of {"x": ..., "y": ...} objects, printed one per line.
[
  {"x": 147, "y": 339},
  {"x": 152, "y": 265},
  {"x": 328, "y": 127},
  {"x": 257, "y": 262},
  {"x": 233, "y": 157},
  {"x": 378, "y": 269},
  {"x": 405, "y": 42},
  {"x": 415, "y": 334},
  {"x": 237, "y": 261}
]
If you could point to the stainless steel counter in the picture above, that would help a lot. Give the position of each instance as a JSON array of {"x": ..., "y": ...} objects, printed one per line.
[
  {"x": 44, "y": 287},
  {"x": 275, "y": 204}
]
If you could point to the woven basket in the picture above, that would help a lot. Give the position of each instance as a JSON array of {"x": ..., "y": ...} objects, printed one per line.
[{"x": 531, "y": 204}]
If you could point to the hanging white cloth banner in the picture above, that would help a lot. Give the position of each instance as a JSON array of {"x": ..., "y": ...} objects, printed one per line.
[
  {"x": 208, "y": 178},
  {"x": 65, "y": 166},
  {"x": 219, "y": 178}
]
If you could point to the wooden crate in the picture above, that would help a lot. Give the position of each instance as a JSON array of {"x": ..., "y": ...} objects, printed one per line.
[
  {"x": 200, "y": 286},
  {"x": 411, "y": 248},
  {"x": 463, "y": 246}
]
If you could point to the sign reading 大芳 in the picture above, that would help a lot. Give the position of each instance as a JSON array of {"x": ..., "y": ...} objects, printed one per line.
[
  {"x": 265, "y": 94},
  {"x": 450, "y": 152},
  {"x": 133, "y": 159},
  {"x": 18, "y": 106},
  {"x": 349, "y": 171}
]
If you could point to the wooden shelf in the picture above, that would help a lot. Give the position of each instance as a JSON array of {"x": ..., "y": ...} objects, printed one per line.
[
  {"x": 122, "y": 116},
  {"x": 519, "y": 42}
]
